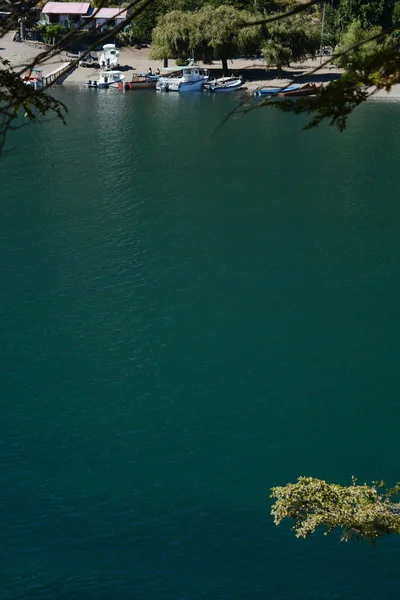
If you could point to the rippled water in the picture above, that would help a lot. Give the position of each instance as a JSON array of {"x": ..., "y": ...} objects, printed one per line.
[{"x": 186, "y": 321}]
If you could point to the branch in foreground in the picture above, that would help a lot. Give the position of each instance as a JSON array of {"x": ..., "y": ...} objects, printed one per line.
[
  {"x": 360, "y": 511},
  {"x": 16, "y": 96},
  {"x": 338, "y": 100}
]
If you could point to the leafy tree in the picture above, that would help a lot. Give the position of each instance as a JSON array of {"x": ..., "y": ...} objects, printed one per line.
[
  {"x": 356, "y": 59},
  {"x": 50, "y": 32},
  {"x": 172, "y": 38},
  {"x": 360, "y": 511},
  {"x": 291, "y": 39},
  {"x": 207, "y": 33},
  {"x": 220, "y": 30},
  {"x": 375, "y": 12}
]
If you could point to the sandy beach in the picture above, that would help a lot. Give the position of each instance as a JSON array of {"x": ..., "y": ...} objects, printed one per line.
[{"x": 255, "y": 72}]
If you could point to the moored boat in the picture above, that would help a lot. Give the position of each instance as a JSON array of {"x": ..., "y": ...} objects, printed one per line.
[
  {"x": 224, "y": 84},
  {"x": 273, "y": 90},
  {"x": 308, "y": 89},
  {"x": 186, "y": 79},
  {"x": 106, "y": 79},
  {"x": 109, "y": 58},
  {"x": 33, "y": 77},
  {"x": 139, "y": 82}
]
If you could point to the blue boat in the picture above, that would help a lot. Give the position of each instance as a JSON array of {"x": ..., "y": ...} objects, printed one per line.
[{"x": 271, "y": 91}]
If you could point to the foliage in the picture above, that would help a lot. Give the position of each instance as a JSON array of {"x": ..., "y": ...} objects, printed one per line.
[
  {"x": 51, "y": 31},
  {"x": 294, "y": 38},
  {"x": 219, "y": 32},
  {"x": 359, "y": 511},
  {"x": 172, "y": 38},
  {"x": 207, "y": 33},
  {"x": 367, "y": 12},
  {"x": 357, "y": 58},
  {"x": 142, "y": 25},
  {"x": 16, "y": 96},
  {"x": 182, "y": 62}
]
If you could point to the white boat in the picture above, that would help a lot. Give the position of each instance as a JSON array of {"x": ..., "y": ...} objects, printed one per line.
[
  {"x": 224, "y": 84},
  {"x": 33, "y": 77},
  {"x": 109, "y": 58},
  {"x": 186, "y": 79},
  {"x": 106, "y": 79}
]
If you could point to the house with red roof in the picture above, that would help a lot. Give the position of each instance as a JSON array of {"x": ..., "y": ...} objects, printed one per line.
[
  {"x": 76, "y": 13},
  {"x": 109, "y": 17},
  {"x": 65, "y": 13}
]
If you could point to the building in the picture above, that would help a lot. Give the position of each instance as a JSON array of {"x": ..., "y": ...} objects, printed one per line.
[
  {"x": 76, "y": 13},
  {"x": 66, "y": 13},
  {"x": 109, "y": 17}
]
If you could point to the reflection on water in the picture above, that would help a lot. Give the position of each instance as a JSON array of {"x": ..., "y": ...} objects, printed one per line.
[{"x": 188, "y": 320}]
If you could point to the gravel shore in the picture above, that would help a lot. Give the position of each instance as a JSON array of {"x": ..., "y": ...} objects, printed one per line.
[{"x": 255, "y": 72}]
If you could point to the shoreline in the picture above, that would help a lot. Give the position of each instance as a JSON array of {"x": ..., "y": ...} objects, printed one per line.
[{"x": 255, "y": 72}]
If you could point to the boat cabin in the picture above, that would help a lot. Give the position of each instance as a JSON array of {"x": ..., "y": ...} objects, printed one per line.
[{"x": 110, "y": 76}]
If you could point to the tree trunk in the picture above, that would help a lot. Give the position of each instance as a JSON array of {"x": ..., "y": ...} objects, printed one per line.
[
  {"x": 165, "y": 63},
  {"x": 224, "y": 64},
  {"x": 22, "y": 28}
]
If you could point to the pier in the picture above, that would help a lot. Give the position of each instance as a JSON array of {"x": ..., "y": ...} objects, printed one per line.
[{"x": 59, "y": 74}]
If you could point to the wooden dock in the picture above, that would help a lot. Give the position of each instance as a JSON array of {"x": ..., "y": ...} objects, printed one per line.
[{"x": 59, "y": 74}]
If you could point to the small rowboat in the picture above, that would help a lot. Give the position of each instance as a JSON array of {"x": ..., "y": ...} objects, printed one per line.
[
  {"x": 224, "y": 84},
  {"x": 139, "y": 82},
  {"x": 270, "y": 91},
  {"x": 308, "y": 89}
]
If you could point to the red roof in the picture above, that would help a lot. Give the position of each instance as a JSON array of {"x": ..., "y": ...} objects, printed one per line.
[
  {"x": 110, "y": 13},
  {"x": 66, "y": 8}
]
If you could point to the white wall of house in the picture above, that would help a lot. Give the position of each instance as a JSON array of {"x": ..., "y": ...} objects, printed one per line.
[
  {"x": 76, "y": 20},
  {"x": 113, "y": 22}
]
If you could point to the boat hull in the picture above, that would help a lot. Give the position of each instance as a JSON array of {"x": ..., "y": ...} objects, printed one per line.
[
  {"x": 166, "y": 85},
  {"x": 107, "y": 79},
  {"x": 271, "y": 91},
  {"x": 137, "y": 85},
  {"x": 307, "y": 90},
  {"x": 222, "y": 88},
  {"x": 191, "y": 86},
  {"x": 97, "y": 85}
]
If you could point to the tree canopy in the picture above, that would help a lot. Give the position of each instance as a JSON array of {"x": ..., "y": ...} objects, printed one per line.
[
  {"x": 360, "y": 511},
  {"x": 207, "y": 33},
  {"x": 294, "y": 38}
]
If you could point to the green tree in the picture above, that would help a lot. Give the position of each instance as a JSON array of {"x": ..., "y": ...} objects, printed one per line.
[
  {"x": 220, "y": 32},
  {"x": 50, "y": 33},
  {"x": 375, "y": 12},
  {"x": 291, "y": 39},
  {"x": 172, "y": 37},
  {"x": 208, "y": 33},
  {"x": 360, "y": 511},
  {"x": 356, "y": 59}
]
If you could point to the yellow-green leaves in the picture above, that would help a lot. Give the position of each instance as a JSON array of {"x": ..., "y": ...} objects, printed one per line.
[{"x": 357, "y": 510}]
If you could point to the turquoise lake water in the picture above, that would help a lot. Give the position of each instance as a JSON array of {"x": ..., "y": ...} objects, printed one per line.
[{"x": 187, "y": 321}]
